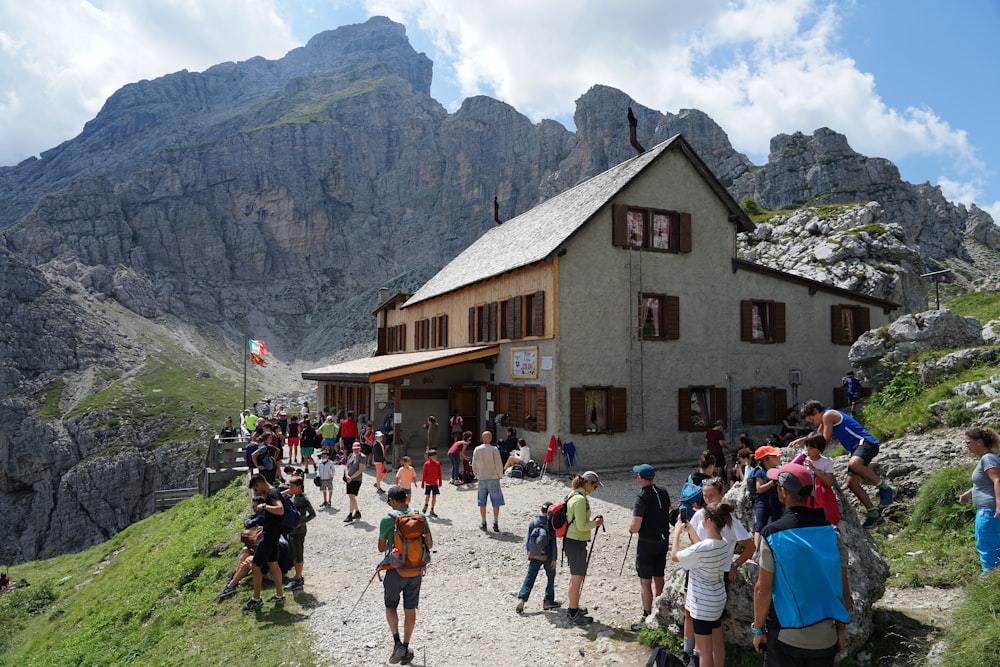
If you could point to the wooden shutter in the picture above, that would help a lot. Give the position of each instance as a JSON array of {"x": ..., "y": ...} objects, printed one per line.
[
  {"x": 720, "y": 406},
  {"x": 383, "y": 341},
  {"x": 518, "y": 307},
  {"x": 491, "y": 321},
  {"x": 416, "y": 335},
  {"x": 835, "y": 327},
  {"x": 671, "y": 317},
  {"x": 780, "y": 405},
  {"x": 540, "y": 409},
  {"x": 443, "y": 336},
  {"x": 619, "y": 410},
  {"x": 538, "y": 325},
  {"x": 619, "y": 225},
  {"x": 577, "y": 410},
  {"x": 684, "y": 409},
  {"x": 402, "y": 338},
  {"x": 684, "y": 243},
  {"x": 863, "y": 318},
  {"x": 746, "y": 320},
  {"x": 779, "y": 323},
  {"x": 517, "y": 407},
  {"x": 506, "y": 319},
  {"x": 746, "y": 406},
  {"x": 472, "y": 324}
]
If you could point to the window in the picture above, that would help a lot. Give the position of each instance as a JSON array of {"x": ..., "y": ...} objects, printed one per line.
[
  {"x": 430, "y": 333},
  {"x": 659, "y": 317},
  {"x": 764, "y": 405},
  {"x": 651, "y": 229},
  {"x": 534, "y": 314},
  {"x": 700, "y": 407},
  {"x": 483, "y": 322},
  {"x": 524, "y": 406},
  {"x": 598, "y": 409},
  {"x": 848, "y": 323},
  {"x": 762, "y": 321},
  {"x": 522, "y": 316},
  {"x": 396, "y": 338}
]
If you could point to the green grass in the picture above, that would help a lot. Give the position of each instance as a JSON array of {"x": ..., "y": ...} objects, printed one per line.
[
  {"x": 974, "y": 635},
  {"x": 167, "y": 396},
  {"x": 983, "y": 305},
  {"x": 147, "y": 597},
  {"x": 49, "y": 398}
]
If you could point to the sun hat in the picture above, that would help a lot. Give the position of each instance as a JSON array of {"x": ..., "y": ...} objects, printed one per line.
[{"x": 765, "y": 450}]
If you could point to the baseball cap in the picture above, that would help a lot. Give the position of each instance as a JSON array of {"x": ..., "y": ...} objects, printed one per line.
[
  {"x": 645, "y": 471},
  {"x": 591, "y": 476},
  {"x": 396, "y": 493},
  {"x": 765, "y": 450},
  {"x": 378, "y": 433},
  {"x": 792, "y": 477}
]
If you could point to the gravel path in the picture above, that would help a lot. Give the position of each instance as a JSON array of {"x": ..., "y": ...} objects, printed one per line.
[{"x": 467, "y": 599}]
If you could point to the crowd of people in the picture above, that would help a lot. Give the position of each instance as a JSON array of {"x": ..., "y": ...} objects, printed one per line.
[{"x": 793, "y": 536}]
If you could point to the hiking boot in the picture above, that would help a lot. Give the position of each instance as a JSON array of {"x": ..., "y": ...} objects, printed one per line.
[
  {"x": 886, "y": 495},
  {"x": 550, "y": 604},
  {"x": 482, "y": 526},
  {"x": 357, "y": 515},
  {"x": 872, "y": 521},
  {"x": 253, "y": 604},
  {"x": 433, "y": 514},
  {"x": 520, "y": 606},
  {"x": 350, "y": 518},
  {"x": 227, "y": 592},
  {"x": 381, "y": 490},
  {"x": 295, "y": 584},
  {"x": 407, "y": 657},
  {"x": 636, "y": 627},
  {"x": 277, "y": 599},
  {"x": 424, "y": 510},
  {"x": 496, "y": 527},
  {"x": 580, "y": 619},
  {"x": 398, "y": 653}
]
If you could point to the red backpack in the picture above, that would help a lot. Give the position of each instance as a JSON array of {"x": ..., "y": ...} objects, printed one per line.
[{"x": 557, "y": 516}]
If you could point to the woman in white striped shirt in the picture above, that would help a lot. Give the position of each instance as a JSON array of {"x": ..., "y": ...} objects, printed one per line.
[{"x": 706, "y": 560}]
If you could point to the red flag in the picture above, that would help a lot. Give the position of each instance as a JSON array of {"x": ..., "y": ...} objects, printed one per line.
[{"x": 257, "y": 359}]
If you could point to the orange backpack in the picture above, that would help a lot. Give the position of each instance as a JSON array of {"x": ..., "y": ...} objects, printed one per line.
[{"x": 409, "y": 554}]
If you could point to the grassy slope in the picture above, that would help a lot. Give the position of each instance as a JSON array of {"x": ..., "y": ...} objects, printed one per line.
[{"x": 147, "y": 597}]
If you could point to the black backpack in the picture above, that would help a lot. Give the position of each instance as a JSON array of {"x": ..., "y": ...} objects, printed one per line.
[
  {"x": 248, "y": 453},
  {"x": 291, "y": 518}
]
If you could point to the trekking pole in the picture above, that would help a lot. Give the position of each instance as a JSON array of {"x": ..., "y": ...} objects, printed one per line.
[
  {"x": 627, "y": 547},
  {"x": 590, "y": 553},
  {"x": 351, "y": 612}
]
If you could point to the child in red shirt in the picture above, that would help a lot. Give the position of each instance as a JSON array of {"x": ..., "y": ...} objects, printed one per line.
[{"x": 431, "y": 480}]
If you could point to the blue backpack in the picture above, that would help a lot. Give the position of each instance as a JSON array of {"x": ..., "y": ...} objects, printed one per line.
[
  {"x": 538, "y": 539},
  {"x": 291, "y": 518},
  {"x": 691, "y": 497},
  {"x": 248, "y": 453}
]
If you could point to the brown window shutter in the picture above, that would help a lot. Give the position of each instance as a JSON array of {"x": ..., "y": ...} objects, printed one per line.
[
  {"x": 780, "y": 405},
  {"x": 836, "y": 331},
  {"x": 577, "y": 409},
  {"x": 416, "y": 335},
  {"x": 779, "y": 323},
  {"x": 684, "y": 409},
  {"x": 493, "y": 309},
  {"x": 383, "y": 341},
  {"x": 720, "y": 406},
  {"x": 433, "y": 326},
  {"x": 506, "y": 319},
  {"x": 746, "y": 320},
  {"x": 402, "y": 337},
  {"x": 746, "y": 405},
  {"x": 472, "y": 324},
  {"x": 538, "y": 326},
  {"x": 619, "y": 410},
  {"x": 540, "y": 409},
  {"x": 619, "y": 227},
  {"x": 517, "y": 407},
  {"x": 518, "y": 307},
  {"x": 443, "y": 336},
  {"x": 672, "y": 317},
  {"x": 864, "y": 320},
  {"x": 684, "y": 243}
]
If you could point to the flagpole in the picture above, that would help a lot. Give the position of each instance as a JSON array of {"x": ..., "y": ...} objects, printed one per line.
[{"x": 246, "y": 342}]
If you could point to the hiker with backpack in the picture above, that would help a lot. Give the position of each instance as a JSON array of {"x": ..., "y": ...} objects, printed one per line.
[
  {"x": 651, "y": 521},
  {"x": 297, "y": 536},
  {"x": 689, "y": 498},
  {"x": 578, "y": 529},
  {"x": 404, "y": 536},
  {"x": 542, "y": 554},
  {"x": 265, "y": 458},
  {"x": 266, "y": 554},
  {"x": 767, "y": 506}
]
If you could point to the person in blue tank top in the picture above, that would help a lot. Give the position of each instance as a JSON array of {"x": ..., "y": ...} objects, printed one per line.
[
  {"x": 861, "y": 446},
  {"x": 802, "y": 598}
]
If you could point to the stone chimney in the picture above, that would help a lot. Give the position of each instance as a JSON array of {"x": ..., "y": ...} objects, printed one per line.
[{"x": 383, "y": 295}]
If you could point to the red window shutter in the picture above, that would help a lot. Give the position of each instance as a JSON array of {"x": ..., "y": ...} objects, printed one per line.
[
  {"x": 746, "y": 320},
  {"x": 672, "y": 317},
  {"x": 517, "y": 304},
  {"x": 538, "y": 326},
  {"x": 619, "y": 410},
  {"x": 779, "y": 323},
  {"x": 684, "y": 243},
  {"x": 746, "y": 404},
  {"x": 720, "y": 406},
  {"x": 577, "y": 410},
  {"x": 619, "y": 226},
  {"x": 684, "y": 409},
  {"x": 864, "y": 320},
  {"x": 780, "y": 405},
  {"x": 540, "y": 409}
]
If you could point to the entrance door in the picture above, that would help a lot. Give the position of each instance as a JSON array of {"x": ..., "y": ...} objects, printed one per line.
[{"x": 465, "y": 399}]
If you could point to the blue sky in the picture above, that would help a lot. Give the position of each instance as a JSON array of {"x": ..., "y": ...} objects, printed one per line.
[{"x": 912, "y": 81}]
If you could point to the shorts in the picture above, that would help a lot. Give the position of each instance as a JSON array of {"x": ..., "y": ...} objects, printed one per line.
[
  {"x": 308, "y": 451},
  {"x": 267, "y": 550},
  {"x": 432, "y": 490},
  {"x": 366, "y": 449},
  {"x": 380, "y": 468},
  {"x": 491, "y": 488},
  {"x": 353, "y": 487},
  {"x": 326, "y": 484},
  {"x": 651, "y": 559},
  {"x": 346, "y": 442},
  {"x": 293, "y": 442},
  {"x": 297, "y": 546},
  {"x": 867, "y": 450},
  {"x": 576, "y": 555},
  {"x": 705, "y": 627},
  {"x": 394, "y": 585}
]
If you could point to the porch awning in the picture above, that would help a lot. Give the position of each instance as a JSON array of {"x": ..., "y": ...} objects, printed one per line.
[{"x": 388, "y": 366}]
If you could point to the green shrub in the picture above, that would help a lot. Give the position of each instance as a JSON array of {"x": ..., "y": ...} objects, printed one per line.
[
  {"x": 904, "y": 386},
  {"x": 958, "y": 415}
]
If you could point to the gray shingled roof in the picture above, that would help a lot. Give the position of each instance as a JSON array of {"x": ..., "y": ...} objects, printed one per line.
[{"x": 535, "y": 234}]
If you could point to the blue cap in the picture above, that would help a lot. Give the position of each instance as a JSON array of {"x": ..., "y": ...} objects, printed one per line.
[{"x": 645, "y": 471}]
